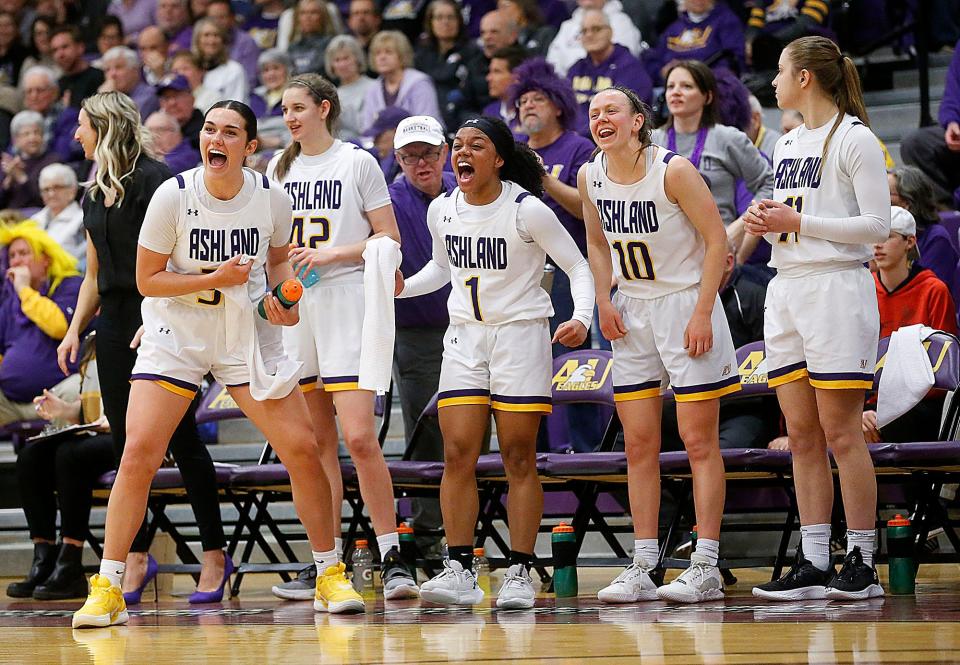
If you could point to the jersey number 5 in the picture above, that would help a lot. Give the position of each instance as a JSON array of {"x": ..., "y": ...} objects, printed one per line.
[
  {"x": 316, "y": 236},
  {"x": 473, "y": 284},
  {"x": 795, "y": 202},
  {"x": 635, "y": 261},
  {"x": 215, "y": 296}
]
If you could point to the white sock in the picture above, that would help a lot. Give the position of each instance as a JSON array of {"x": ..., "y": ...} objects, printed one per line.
[
  {"x": 113, "y": 571},
  {"x": 815, "y": 539},
  {"x": 647, "y": 551},
  {"x": 338, "y": 546},
  {"x": 324, "y": 560},
  {"x": 865, "y": 541},
  {"x": 707, "y": 551},
  {"x": 388, "y": 541}
]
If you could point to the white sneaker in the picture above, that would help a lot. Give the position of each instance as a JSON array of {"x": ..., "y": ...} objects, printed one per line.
[
  {"x": 517, "y": 591},
  {"x": 631, "y": 586},
  {"x": 698, "y": 583},
  {"x": 453, "y": 586}
]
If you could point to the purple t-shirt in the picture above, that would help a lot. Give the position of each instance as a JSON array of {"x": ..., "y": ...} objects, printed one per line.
[
  {"x": 937, "y": 252},
  {"x": 410, "y": 207},
  {"x": 621, "y": 68},
  {"x": 684, "y": 39},
  {"x": 563, "y": 159},
  {"x": 29, "y": 354}
]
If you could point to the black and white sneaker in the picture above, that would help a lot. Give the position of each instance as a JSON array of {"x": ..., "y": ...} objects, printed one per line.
[
  {"x": 304, "y": 587},
  {"x": 855, "y": 581},
  {"x": 397, "y": 581},
  {"x": 803, "y": 581}
]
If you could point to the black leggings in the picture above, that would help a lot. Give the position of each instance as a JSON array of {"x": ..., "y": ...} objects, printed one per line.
[
  {"x": 64, "y": 471},
  {"x": 119, "y": 320}
]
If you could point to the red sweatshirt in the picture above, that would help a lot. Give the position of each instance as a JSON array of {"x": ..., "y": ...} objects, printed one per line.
[{"x": 922, "y": 298}]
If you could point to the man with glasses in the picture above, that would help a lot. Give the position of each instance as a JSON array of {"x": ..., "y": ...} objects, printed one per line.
[
  {"x": 421, "y": 151},
  {"x": 606, "y": 64}
]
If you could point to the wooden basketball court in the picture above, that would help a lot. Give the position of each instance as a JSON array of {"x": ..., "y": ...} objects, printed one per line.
[{"x": 257, "y": 628}]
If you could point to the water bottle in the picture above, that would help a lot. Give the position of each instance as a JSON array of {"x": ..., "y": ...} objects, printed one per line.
[
  {"x": 362, "y": 560},
  {"x": 903, "y": 563},
  {"x": 564, "y": 545},
  {"x": 693, "y": 540},
  {"x": 481, "y": 568},
  {"x": 307, "y": 276},
  {"x": 408, "y": 548},
  {"x": 288, "y": 292}
]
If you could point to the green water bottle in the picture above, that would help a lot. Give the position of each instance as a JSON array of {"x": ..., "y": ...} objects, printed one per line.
[
  {"x": 564, "y": 544},
  {"x": 408, "y": 548},
  {"x": 288, "y": 292},
  {"x": 901, "y": 558}
]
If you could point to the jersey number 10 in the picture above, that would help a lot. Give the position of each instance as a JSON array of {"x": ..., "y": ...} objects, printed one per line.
[{"x": 635, "y": 261}]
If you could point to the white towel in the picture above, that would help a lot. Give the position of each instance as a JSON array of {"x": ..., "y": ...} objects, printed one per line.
[
  {"x": 907, "y": 375},
  {"x": 242, "y": 335},
  {"x": 381, "y": 258}
]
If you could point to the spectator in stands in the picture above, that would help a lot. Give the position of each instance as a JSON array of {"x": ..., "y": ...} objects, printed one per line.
[
  {"x": 496, "y": 32},
  {"x": 153, "y": 48},
  {"x": 223, "y": 76},
  {"x": 774, "y": 23},
  {"x": 790, "y": 119},
  {"x": 908, "y": 294},
  {"x": 722, "y": 154},
  {"x": 290, "y": 19},
  {"x": 110, "y": 35},
  {"x": 398, "y": 84},
  {"x": 169, "y": 144},
  {"x": 381, "y": 134},
  {"x": 40, "y": 288},
  {"x": 134, "y": 15},
  {"x": 705, "y": 30},
  {"x": 41, "y": 93},
  {"x": 445, "y": 55},
  {"x": 262, "y": 24},
  {"x": 12, "y": 51},
  {"x": 62, "y": 471},
  {"x": 22, "y": 15},
  {"x": 911, "y": 189},
  {"x": 122, "y": 67},
  {"x": 61, "y": 217},
  {"x": 363, "y": 21},
  {"x": 605, "y": 64},
  {"x": 935, "y": 150},
  {"x": 173, "y": 18},
  {"x": 345, "y": 62},
  {"x": 764, "y": 138},
  {"x": 534, "y": 35},
  {"x": 38, "y": 48},
  {"x": 275, "y": 70},
  {"x": 21, "y": 167},
  {"x": 499, "y": 79},
  {"x": 177, "y": 100},
  {"x": 566, "y": 48},
  {"x": 79, "y": 80},
  {"x": 243, "y": 49},
  {"x": 187, "y": 64},
  {"x": 421, "y": 322},
  {"x": 311, "y": 36}
]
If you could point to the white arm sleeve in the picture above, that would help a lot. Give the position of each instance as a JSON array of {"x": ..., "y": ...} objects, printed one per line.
[
  {"x": 862, "y": 159},
  {"x": 538, "y": 223},
  {"x": 436, "y": 273},
  {"x": 159, "y": 230}
]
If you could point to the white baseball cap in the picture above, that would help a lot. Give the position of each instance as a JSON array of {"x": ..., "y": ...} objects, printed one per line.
[
  {"x": 902, "y": 221},
  {"x": 418, "y": 129}
]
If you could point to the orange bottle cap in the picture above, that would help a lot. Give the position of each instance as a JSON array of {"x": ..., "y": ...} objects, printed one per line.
[
  {"x": 479, "y": 551},
  {"x": 563, "y": 527},
  {"x": 361, "y": 543},
  {"x": 403, "y": 527},
  {"x": 292, "y": 290},
  {"x": 899, "y": 520}
]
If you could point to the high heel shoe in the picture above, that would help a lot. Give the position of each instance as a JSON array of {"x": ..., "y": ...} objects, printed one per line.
[
  {"x": 215, "y": 596},
  {"x": 133, "y": 597}
]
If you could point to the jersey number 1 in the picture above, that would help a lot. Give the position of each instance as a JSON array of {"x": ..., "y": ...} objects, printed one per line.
[
  {"x": 473, "y": 284},
  {"x": 795, "y": 202},
  {"x": 635, "y": 261}
]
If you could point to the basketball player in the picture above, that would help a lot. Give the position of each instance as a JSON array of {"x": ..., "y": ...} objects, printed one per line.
[
  {"x": 490, "y": 242},
  {"x": 830, "y": 204},
  {"x": 340, "y": 201},
  {"x": 213, "y": 228},
  {"x": 651, "y": 218}
]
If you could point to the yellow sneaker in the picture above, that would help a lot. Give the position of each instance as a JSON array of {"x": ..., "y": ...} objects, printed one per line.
[
  {"x": 104, "y": 606},
  {"x": 335, "y": 594}
]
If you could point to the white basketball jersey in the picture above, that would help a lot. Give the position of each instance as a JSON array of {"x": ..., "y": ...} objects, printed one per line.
[
  {"x": 494, "y": 272},
  {"x": 329, "y": 209},
  {"x": 811, "y": 186},
  {"x": 206, "y": 238},
  {"x": 656, "y": 249}
]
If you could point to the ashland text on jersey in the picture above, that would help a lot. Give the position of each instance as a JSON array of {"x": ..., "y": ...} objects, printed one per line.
[
  {"x": 482, "y": 252},
  {"x": 619, "y": 216},
  {"x": 802, "y": 172},
  {"x": 315, "y": 194},
  {"x": 218, "y": 245}
]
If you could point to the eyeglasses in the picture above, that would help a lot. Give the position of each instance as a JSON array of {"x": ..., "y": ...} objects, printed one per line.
[
  {"x": 594, "y": 29},
  {"x": 50, "y": 189},
  {"x": 430, "y": 156},
  {"x": 536, "y": 99}
]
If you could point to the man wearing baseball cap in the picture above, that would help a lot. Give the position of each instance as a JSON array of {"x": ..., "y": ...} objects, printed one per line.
[
  {"x": 176, "y": 99},
  {"x": 421, "y": 150},
  {"x": 908, "y": 293}
]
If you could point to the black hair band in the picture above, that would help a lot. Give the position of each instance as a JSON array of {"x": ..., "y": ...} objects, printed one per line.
[{"x": 500, "y": 136}]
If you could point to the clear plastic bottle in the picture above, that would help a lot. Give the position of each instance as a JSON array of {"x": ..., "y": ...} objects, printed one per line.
[
  {"x": 307, "y": 276},
  {"x": 481, "y": 568},
  {"x": 362, "y": 561}
]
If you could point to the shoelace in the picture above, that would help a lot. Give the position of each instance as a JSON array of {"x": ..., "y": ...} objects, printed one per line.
[
  {"x": 514, "y": 579},
  {"x": 630, "y": 572},
  {"x": 848, "y": 572},
  {"x": 696, "y": 568}
]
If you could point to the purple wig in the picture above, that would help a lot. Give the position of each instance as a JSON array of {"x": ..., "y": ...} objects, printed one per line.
[
  {"x": 538, "y": 74},
  {"x": 733, "y": 100}
]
